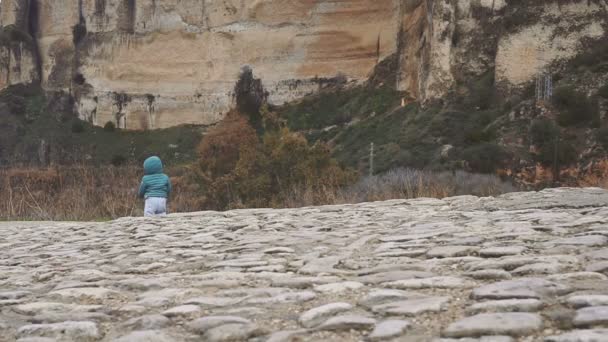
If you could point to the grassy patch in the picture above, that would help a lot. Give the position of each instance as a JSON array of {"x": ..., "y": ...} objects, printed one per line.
[
  {"x": 339, "y": 106},
  {"x": 411, "y": 136}
]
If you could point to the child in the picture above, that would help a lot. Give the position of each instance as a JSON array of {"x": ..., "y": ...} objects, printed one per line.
[{"x": 155, "y": 187}]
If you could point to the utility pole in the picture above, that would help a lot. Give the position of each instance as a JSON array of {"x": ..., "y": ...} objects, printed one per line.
[
  {"x": 371, "y": 160},
  {"x": 556, "y": 161}
]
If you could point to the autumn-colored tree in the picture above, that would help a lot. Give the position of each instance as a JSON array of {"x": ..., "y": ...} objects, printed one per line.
[
  {"x": 238, "y": 168},
  {"x": 221, "y": 147},
  {"x": 219, "y": 154}
]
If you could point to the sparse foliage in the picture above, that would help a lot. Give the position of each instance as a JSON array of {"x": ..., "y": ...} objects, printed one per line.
[
  {"x": 109, "y": 126},
  {"x": 602, "y": 137},
  {"x": 543, "y": 132},
  {"x": 77, "y": 126},
  {"x": 484, "y": 158},
  {"x": 603, "y": 91},
  {"x": 565, "y": 154},
  {"x": 574, "y": 106}
]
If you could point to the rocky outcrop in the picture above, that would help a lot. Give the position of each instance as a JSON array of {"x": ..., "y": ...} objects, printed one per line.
[
  {"x": 150, "y": 64},
  {"x": 553, "y": 32},
  {"x": 19, "y": 58},
  {"x": 444, "y": 43}
]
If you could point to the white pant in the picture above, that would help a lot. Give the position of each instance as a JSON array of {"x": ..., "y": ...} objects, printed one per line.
[{"x": 155, "y": 206}]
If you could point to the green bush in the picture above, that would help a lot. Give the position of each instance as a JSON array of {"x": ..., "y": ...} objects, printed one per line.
[
  {"x": 34, "y": 106},
  {"x": 464, "y": 128},
  {"x": 543, "y": 132},
  {"x": 339, "y": 106},
  {"x": 574, "y": 106},
  {"x": 482, "y": 93},
  {"x": 596, "y": 119},
  {"x": 485, "y": 158},
  {"x": 602, "y": 137},
  {"x": 603, "y": 91},
  {"x": 593, "y": 57},
  {"x": 109, "y": 126},
  {"x": 77, "y": 126},
  {"x": 566, "y": 154},
  {"x": 477, "y": 136}
]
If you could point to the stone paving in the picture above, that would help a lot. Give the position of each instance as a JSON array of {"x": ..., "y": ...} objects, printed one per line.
[{"x": 521, "y": 267}]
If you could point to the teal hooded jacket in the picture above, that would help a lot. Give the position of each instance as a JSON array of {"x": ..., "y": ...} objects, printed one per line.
[{"x": 154, "y": 183}]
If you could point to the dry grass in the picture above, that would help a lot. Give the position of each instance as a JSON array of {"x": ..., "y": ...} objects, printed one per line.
[
  {"x": 597, "y": 176},
  {"x": 593, "y": 174},
  {"x": 403, "y": 184},
  {"x": 74, "y": 193},
  {"x": 83, "y": 193}
]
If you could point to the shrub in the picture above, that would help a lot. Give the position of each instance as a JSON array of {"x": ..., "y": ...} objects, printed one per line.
[
  {"x": 238, "y": 169},
  {"x": 477, "y": 136},
  {"x": 110, "y": 126},
  {"x": 34, "y": 106},
  {"x": 250, "y": 95},
  {"x": 220, "y": 149},
  {"x": 485, "y": 158},
  {"x": 412, "y": 183},
  {"x": 340, "y": 106},
  {"x": 482, "y": 92},
  {"x": 593, "y": 57},
  {"x": 602, "y": 137},
  {"x": 118, "y": 160},
  {"x": 566, "y": 154},
  {"x": 463, "y": 127},
  {"x": 543, "y": 132},
  {"x": 603, "y": 91},
  {"x": 596, "y": 119},
  {"x": 574, "y": 106},
  {"x": 77, "y": 126}
]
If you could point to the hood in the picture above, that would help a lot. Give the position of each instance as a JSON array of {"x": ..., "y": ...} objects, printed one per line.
[{"x": 153, "y": 165}]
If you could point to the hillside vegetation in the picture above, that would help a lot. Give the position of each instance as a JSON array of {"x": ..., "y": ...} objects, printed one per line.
[
  {"x": 39, "y": 129},
  {"x": 477, "y": 127},
  {"x": 313, "y": 151}
]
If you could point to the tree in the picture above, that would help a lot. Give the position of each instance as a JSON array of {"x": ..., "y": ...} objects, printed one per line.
[{"x": 238, "y": 168}]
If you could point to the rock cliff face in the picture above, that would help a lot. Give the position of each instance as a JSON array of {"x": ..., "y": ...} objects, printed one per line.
[{"x": 152, "y": 64}]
